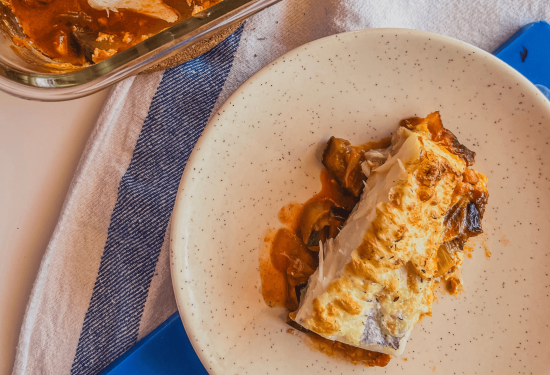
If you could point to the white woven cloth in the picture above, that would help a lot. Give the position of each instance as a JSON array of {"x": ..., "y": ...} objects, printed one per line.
[{"x": 104, "y": 281}]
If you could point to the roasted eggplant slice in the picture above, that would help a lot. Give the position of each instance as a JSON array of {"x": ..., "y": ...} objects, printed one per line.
[
  {"x": 79, "y": 19},
  {"x": 85, "y": 41},
  {"x": 334, "y": 157},
  {"x": 339, "y": 213},
  {"x": 315, "y": 216},
  {"x": 343, "y": 161}
]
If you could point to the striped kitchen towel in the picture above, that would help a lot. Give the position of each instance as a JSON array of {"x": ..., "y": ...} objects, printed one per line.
[{"x": 104, "y": 282}]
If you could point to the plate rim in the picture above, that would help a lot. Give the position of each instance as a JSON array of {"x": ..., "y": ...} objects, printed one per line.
[{"x": 200, "y": 349}]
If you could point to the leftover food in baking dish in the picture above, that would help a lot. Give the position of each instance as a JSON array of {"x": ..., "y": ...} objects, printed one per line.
[{"x": 77, "y": 33}]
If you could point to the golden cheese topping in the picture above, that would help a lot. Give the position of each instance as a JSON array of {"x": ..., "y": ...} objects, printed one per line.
[{"x": 378, "y": 272}]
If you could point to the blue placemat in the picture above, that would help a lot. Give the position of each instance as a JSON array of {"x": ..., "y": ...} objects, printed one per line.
[
  {"x": 167, "y": 349},
  {"x": 528, "y": 51}
]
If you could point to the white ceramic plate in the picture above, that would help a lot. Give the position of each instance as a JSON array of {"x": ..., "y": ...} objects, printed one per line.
[{"x": 261, "y": 150}]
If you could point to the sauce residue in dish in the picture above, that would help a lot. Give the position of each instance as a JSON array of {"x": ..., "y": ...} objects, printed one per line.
[{"x": 71, "y": 31}]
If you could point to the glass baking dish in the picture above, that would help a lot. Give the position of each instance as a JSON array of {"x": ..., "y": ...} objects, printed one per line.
[{"x": 25, "y": 74}]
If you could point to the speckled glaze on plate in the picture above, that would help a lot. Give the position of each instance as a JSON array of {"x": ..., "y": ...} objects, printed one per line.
[{"x": 261, "y": 151}]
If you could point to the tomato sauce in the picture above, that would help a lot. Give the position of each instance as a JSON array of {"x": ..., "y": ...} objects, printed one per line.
[
  {"x": 49, "y": 26},
  {"x": 289, "y": 257}
]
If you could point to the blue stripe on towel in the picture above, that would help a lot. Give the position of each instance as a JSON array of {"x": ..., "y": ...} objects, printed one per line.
[{"x": 178, "y": 113}]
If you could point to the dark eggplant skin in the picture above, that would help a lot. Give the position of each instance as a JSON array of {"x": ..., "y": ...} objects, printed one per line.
[
  {"x": 343, "y": 161},
  {"x": 84, "y": 41},
  {"x": 473, "y": 219},
  {"x": 334, "y": 157}
]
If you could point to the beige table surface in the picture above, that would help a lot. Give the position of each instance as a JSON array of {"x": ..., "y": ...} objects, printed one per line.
[{"x": 40, "y": 146}]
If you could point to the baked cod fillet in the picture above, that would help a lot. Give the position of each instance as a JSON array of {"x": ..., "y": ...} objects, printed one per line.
[{"x": 417, "y": 209}]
